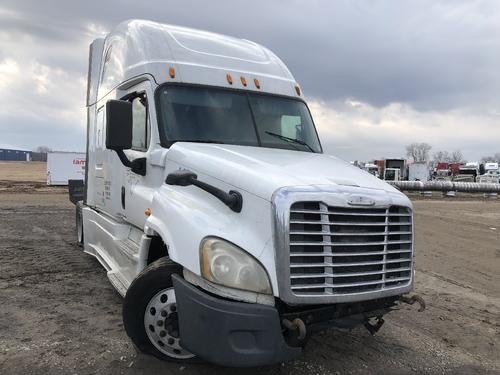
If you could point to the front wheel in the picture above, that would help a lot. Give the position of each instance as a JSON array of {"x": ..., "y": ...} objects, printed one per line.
[{"x": 150, "y": 313}]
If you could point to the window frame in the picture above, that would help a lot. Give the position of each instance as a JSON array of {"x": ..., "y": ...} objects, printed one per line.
[
  {"x": 166, "y": 143},
  {"x": 130, "y": 98}
]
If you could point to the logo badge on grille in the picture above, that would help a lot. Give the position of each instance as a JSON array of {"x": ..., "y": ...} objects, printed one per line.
[{"x": 360, "y": 200}]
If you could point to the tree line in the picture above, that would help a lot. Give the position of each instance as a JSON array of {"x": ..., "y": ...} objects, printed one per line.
[{"x": 419, "y": 152}]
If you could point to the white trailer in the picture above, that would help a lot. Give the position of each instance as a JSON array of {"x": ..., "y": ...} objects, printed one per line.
[
  {"x": 418, "y": 172},
  {"x": 372, "y": 169},
  {"x": 207, "y": 194},
  {"x": 63, "y": 166}
]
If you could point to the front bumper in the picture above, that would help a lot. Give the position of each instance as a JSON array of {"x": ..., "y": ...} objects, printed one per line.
[{"x": 229, "y": 333}]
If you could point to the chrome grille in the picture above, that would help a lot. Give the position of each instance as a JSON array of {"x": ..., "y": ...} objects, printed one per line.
[{"x": 344, "y": 250}]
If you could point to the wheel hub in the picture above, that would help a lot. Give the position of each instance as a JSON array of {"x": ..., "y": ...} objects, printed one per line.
[{"x": 162, "y": 324}]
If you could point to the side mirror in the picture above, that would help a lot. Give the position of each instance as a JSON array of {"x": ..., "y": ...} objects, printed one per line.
[
  {"x": 118, "y": 125},
  {"x": 119, "y": 133}
]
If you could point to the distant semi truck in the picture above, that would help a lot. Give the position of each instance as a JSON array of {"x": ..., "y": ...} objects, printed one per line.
[
  {"x": 390, "y": 166},
  {"x": 491, "y": 174},
  {"x": 468, "y": 172},
  {"x": 492, "y": 166}
]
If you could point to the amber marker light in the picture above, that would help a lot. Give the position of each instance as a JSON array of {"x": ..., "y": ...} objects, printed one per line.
[
  {"x": 243, "y": 81},
  {"x": 257, "y": 83},
  {"x": 297, "y": 90},
  {"x": 171, "y": 72},
  {"x": 147, "y": 212},
  {"x": 229, "y": 79}
]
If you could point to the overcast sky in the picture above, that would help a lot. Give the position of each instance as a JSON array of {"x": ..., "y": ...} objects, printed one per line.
[{"x": 378, "y": 75}]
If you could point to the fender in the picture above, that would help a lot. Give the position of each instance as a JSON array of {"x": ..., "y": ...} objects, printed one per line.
[{"x": 184, "y": 216}]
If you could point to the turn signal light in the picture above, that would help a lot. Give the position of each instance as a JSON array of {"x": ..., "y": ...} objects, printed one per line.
[
  {"x": 171, "y": 72},
  {"x": 147, "y": 212},
  {"x": 257, "y": 83},
  {"x": 229, "y": 79},
  {"x": 297, "y": 90},
  {"x": 243, "y": 81}
]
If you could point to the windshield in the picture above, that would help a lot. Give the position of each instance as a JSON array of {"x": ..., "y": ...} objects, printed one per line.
[{"x": 209, "y": 115}]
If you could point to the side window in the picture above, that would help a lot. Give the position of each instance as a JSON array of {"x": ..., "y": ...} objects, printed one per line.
[
  {"x": 140, "y": 123},
  {"x": 99, "y": 128},
  {"x": 107, "y": 57}
]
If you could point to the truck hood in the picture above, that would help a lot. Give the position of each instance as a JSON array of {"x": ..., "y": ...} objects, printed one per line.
[{"x": 261, "y": 171}]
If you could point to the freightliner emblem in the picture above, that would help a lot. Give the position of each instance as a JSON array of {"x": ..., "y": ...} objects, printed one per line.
[{"x": 360, "y": 200}]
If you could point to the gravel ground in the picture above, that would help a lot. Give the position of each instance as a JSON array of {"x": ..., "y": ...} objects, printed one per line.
[{"x": 60, "y": 315}]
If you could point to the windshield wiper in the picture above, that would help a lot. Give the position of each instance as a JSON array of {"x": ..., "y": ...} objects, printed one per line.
[{"x": 293, "y": 140}]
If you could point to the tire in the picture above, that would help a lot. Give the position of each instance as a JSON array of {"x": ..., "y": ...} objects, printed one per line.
[
  {"x": 79, "y": 224},
  {"x": 149, "y": 313}
]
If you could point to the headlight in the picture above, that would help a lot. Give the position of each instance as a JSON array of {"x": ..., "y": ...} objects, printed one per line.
[{"x": 226, "y": 264}]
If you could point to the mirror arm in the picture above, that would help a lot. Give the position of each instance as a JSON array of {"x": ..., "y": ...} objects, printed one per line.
[
  {"x": 233, "y": 199},
  {"x": 137, "y": 165},
  {"x": 123, "y": 158}
]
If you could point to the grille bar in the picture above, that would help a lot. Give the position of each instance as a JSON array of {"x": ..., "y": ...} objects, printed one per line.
[
  {"x": 309, "y": 233},
  {"x": 346, "y": 250},
  {"x": 347, "y": 274},
  {"x": 350, "y": 213},
  {"x": 313, "y": 243},
  {"x": 352, "y": 264},
  {"x": 353, "y": 254},
  {"x": 348, "y": 285},
  {"x": 319, "y": 222}
]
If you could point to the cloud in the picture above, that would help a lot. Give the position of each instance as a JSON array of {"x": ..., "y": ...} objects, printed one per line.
[
  {"x": 44, "y": 104},
  {"x": 379, "y": 73},
  {"x": 354, "y": 130}
]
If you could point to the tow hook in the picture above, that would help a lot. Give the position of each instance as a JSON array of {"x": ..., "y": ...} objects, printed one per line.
[
  {"x": 296, "y": 324},
  {"x": 411, "y": 300},
  {"x": 373, "y": 328}
]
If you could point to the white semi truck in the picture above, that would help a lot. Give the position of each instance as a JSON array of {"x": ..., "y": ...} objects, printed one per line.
[{"x": 210, "y": 203}]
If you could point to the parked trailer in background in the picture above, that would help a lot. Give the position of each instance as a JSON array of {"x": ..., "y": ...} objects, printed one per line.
[
  {"x": 63, "y": 166},
  {"x": 372, "y": 169},
  {"x": 418, "y": 172},
  {"x": 380, "y": 164}
]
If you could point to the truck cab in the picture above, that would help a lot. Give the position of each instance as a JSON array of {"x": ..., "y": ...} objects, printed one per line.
[
  {"x": 210, "y": 203},
  {"x": 392, "y": 174}
]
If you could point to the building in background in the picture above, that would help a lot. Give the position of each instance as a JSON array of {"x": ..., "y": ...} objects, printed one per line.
[{"x": 12, "y": 153}]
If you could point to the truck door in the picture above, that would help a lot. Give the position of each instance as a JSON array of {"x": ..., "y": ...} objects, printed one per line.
[{"x": 136, "y": 190}]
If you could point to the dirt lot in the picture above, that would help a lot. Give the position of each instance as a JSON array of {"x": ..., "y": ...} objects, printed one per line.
[{"x": 60, "y": 315}]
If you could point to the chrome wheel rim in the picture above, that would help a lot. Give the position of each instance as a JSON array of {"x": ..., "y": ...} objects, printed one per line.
[{"x": 161, "y": 324}]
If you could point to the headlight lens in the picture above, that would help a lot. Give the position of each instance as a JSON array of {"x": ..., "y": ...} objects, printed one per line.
[{"x": 226, "y": 264}]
